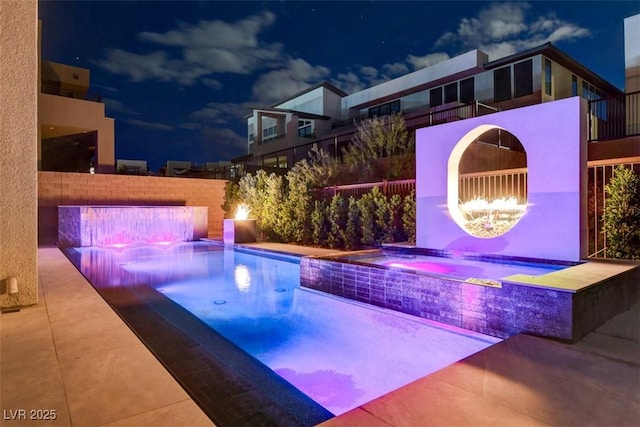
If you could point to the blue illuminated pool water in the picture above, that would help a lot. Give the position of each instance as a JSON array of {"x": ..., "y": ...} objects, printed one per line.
[{"x": 340, "y": 353}]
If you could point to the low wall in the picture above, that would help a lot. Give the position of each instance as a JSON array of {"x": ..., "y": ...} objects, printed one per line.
[
  {"x": 61, "y": 188},
  {"x": 497, "y": 311}
]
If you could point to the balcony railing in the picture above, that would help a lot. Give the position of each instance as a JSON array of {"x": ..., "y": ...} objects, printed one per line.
[
  {"x": 614, "y": 118},
  {"x": 434, "y": 116},
  {"x": 57, "y": 90}
]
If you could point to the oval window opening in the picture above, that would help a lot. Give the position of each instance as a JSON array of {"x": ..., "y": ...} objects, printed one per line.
[{"x": 492, "y": 184}]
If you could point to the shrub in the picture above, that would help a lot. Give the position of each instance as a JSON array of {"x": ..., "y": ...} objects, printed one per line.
[
  {"x": 273, "y": 220},
  {"x": 367, "y": 209},
  {"x": 622, "y": 214},
  {"x": 231, "y": 199},
  {"x": 409, "y": 216},
  {"x": 353, "y": 230},
  {"x": 384, "y": 226},
  {"x": 319, "y": 224},
  {"x": 297, "y": 207},
  {"x": 376, "y": 218},
  {"x": 337, "y": 215}
]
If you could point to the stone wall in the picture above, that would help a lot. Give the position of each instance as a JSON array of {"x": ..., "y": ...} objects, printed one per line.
[{"x": 62, "y": 188}]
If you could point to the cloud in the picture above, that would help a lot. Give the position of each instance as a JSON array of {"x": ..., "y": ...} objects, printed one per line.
[
  {"x": 219, "y": 113},
  {"x": 224, "y": 138},
  {"x": 153, "y": 66},
  {"x": 418, "y": 62},
  {"x": 367, "y": 76},
  {"x": 504, "y": 28},
  {"x": 115, "y": 106},
  {"x": 194, "y": 52},
  {"x": 212, "y": 83},
  {"x": 295, "y": 76},
  {"x": 213, "y": 124},
  {"x": 149, "y": 125},
  {"x": 350, "y": 82}
]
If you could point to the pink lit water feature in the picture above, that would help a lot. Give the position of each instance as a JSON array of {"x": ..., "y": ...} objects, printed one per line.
[{"x": 121, "y": 226}]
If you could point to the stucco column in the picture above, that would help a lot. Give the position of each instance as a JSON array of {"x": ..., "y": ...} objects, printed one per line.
[{"x": 19, "y": 151}]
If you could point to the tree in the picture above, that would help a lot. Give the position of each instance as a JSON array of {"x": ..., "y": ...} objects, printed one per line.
[
  {"x": 297, "y": 206},
  {"x": 375, "y": 139},
  {"x": 622, "y": 214},
  {"x": 321, "y": 169},
  {"x": 231, "y": 199}
]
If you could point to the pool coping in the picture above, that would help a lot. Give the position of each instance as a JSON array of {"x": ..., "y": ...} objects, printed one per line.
[{"x": 574, "y": 277}]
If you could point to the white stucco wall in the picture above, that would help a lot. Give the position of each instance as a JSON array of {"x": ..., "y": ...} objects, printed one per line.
[
  {"x": 310, "y": 102},
  {"x": 19, "y": 149},
  {"x": 553, "y": 226},
  {"x": 632, "y": 53},
  {"x": 474, "y": 59}
]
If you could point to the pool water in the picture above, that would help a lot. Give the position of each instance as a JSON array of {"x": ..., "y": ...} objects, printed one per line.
[
  {"x": 340, "y": 353},
  {"x": 457, "y": 268}
]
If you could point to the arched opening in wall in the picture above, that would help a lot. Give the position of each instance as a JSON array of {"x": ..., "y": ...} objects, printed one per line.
[{"x": 488, "y": 182}]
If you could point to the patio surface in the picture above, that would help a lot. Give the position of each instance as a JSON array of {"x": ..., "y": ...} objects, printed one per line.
[{"x": 71, "y": 353}]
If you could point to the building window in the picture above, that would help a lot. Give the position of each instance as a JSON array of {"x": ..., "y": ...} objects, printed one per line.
[
  {"x": 589, "y": 92},
  {"x": 574, "y": 86},
  {"x": 467, "y": 91},
  {"x": 305, "y": 128},
  {"x": 451, "y": 93},
  {"x": 435, "y": 96},
  {"x": 269, "y": 133},
  {"x": 547, "y": 77},
  {"x": 523, "y": 78},
  {"x": 251, "y": 137},
  {"x": 385, "y": 109},
  {"x": 502, "y": 84}
]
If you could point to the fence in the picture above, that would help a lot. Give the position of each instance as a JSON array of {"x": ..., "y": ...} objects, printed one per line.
[
  {"x": 388, "y": 188},
  {"x": 599, "y": 175},
  {"x": 614, "y": 118},
  {"x": 493, "y": 185},
  {"x": 508, "y": 183}
]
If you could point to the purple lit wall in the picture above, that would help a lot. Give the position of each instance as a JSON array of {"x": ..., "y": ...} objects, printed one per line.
[
  {"x": 554, "y": 137},
  {"x": 120, "y": 226}
]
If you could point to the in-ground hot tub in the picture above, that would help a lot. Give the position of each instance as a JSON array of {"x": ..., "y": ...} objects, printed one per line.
[
  {"x": 492, "y": 295},
  {"x": 81, "y": 226}
]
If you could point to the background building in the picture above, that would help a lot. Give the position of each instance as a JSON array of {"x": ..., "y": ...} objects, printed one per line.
[
  {"x": 455, "y": 89},
  {"x": 75, "y": 134}
]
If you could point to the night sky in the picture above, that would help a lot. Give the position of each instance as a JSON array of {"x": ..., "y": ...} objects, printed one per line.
[{"x": 178, "y": 76}]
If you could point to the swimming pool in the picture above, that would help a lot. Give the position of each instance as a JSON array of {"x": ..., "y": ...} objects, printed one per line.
[
  {"x": 338, "y": 352},
  {"x": 459, "y": 268}
]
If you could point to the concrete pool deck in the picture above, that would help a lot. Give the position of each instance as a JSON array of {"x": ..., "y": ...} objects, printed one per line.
[{"x": 71, "y": 353}]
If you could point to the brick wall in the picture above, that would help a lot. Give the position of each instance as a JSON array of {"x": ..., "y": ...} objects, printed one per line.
[{"x": 61, "y": 188}]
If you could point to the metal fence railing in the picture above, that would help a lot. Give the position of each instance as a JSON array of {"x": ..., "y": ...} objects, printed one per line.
[
  {"x": 388, "y": 188},
  {"x": 511, "y": 183},
  {"x": 600, "y": 173},
  {"x": 614, "y": 118},
  {"x": 493, "y": 185}
]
